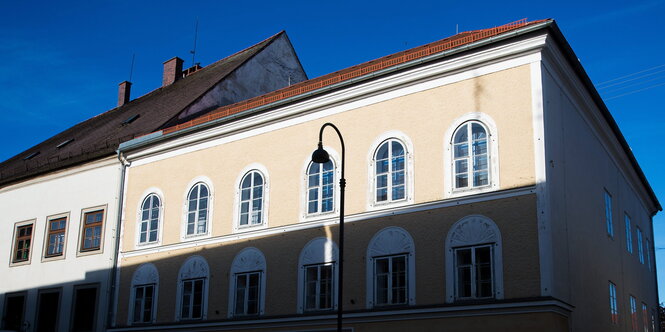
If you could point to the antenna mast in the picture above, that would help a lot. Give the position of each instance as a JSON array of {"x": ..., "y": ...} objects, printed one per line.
[
  {"x": 131, "y": 68},
  {"x": 196, "y": 33}
]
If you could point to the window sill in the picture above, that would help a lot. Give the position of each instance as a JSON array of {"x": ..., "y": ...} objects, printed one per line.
[{"x": 19, "y": 263}]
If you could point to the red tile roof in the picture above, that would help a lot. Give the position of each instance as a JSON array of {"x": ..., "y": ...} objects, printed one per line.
[{"x": 392, "y": 60}]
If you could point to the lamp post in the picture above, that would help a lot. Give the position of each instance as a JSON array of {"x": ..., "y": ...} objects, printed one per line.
[{"x": 320, "y": 156}]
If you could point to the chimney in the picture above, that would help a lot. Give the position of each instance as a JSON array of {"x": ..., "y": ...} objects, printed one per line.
[
  {"x": 172, "y": 71},
  {"x": 123, "y": 92}
]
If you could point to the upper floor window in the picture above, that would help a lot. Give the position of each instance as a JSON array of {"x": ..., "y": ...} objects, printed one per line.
[
  {"x": 645, "y": 317},
  {"x": 473, "y": 260},
  {"x": 390, "y": 171},
  {"x": 614, "y": 311},
  {"x": 471, "y": 156},
  {"x": 317, "y": 278},
  {"x": 640, "y": 249},
  {"x": 93, "y": 223},
  {"x": 150, "y": 211},
  {"x": 193, "y": 289},
  {"x": 391, "y": 268},
  {"x": 143, "y": 297},
  {"x": 629, "y": 235},
  {"x": 55, "y": 236},
  {"x": 197, "y": 209},
  {"x": 247, "y": 285},
  {"x": 22, "y": 243},
  {"x": 320, "y": 188},
  {"x": 608, "y": 214},
  {"x": 251, "y": 199},
  {"x": 648, "y": 250}
]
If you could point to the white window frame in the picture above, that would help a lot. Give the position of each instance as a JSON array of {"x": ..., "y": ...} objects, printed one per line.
[
  {"x": 372, "y": 203},
  {"x": 254, "y": 167},
  {"x": 390, "y": 241},
  {"x": 160, "y": 220},
  {"x": 45, "y": 257},
  {"x": 473, "y": 230},
  {"x": 248, "y": 260},
  {"x": 609, "y": 223},
  {"x": 488, "y": 123},
  {"x": 304, "y": 200},
  {"x": 185, "y": 209},
  {"x": 474, "y": 286},
  {"x": 195, "y": 267},
  {"x": 160, "y": 211},
  {"x": 145, "y": 275},
  {"x": 629, "y": 233},
  {"x": 245, "y": 299},
  {"x": 390, "y": 288},
  {"x": 318, "y": 251},
  {"x": 614, "y": 309}
]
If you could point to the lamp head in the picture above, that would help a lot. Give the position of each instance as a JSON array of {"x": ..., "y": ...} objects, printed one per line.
[{"x": 320, "y": 156}]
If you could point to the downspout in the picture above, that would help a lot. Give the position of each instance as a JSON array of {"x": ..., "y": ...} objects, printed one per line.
[{"x": 113, "y": 291}]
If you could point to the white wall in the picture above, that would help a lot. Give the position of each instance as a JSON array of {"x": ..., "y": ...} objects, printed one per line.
[{"x": 71, "y": 191}]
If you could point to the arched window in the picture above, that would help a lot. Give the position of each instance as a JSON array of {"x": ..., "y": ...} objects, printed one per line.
[
  {"x": 320, "y": 188},
  {"x": 390, "y": 171},
  {"x": 150, "y": 211},
  {"x": 471, "y": 156},
  {"x": 317, "y": 277},
  {"x": 198, "y": 201},
  {"x": 192, "y": 299},
  {"x": 391, "y": 269},
  {"x": 474, "y": 267},
  {"x": 143, "y": 296},
  {"x": 248, "y": 283},
  {"x": 251, "y": 199}
]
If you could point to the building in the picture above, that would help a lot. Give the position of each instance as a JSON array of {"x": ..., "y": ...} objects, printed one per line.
[
  {"x": 60, "y": 199},
  {"x": 469, "y": 204}
]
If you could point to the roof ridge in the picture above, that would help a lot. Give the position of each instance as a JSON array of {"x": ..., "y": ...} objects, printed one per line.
[{"x": 361, "y": 69}]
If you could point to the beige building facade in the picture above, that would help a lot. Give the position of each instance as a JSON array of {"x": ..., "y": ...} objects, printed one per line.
[{"x": 469, "y": 204}]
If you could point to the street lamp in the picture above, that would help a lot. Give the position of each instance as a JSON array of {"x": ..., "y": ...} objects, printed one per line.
[{"x": 320, "y": 156}]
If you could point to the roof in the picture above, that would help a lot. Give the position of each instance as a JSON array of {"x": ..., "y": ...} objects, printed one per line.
[
  {"x": 100, "y": 136},
  {"x": 383, "y": 64}
]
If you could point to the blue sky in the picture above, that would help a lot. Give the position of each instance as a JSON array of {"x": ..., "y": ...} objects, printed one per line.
[{"x": 61, "y": 62}]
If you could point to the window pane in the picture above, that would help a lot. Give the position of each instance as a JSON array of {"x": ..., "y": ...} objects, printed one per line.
[
  {"x": 461, "y": 150},
  {"x": 478, "y": 132},
  {"x": 258, "y": 179},
  {"x": 382, "y": 153},
  {"x": 461, "y": 181},
  {"x": 461, "y": 166},
  {"x": 398, "y": 149},
  {"x": 461, "y": 134}
]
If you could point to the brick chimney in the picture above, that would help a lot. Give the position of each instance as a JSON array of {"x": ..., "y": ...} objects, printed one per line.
[
  {"x": 172, "y": 71},
  {"x": 123, "y": 92}
]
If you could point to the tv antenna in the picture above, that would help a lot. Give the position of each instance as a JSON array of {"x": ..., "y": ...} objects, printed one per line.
[
  {"x": 196, "y": 33},
  {"x": 131, "y": 67}
]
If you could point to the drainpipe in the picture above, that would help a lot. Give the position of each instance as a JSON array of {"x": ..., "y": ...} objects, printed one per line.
[{"x": 114, "y": 278}]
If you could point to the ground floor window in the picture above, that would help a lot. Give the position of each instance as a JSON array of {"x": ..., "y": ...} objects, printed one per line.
[
  {"x": 390, "y": 280},
  {"x": 473, "y": 267},
  {"x": 247, "y": 293},
  {"x": 319, "y": 287},
  {"x": 14, "y": 311},
  {"x": 143, "y": 303},
  {"x": 85, "y": 309},
  {"x": 192, "y": 299},
  {"x": 48, "y": 308}
]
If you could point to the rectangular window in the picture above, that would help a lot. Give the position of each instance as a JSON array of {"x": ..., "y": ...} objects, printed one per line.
[
  {"x": 390, "y": 280},
  {"x": 614, "y": 310},
  {"x": 648, "y": 249},
  {"x": 22, "y": 243},
  {"x": 474, "y": 272},
  {"x": 143, "y": 303},
  {"x": 14, "y": 311},
  {"x": 633, "y": 313},
  {"x": 640, "y": 251},
  {"x": 55, "y": 237},
  {"x": 319, "y": 287},
  {"x": 629, "y": 235},
  {"x": 48, "y": 309},
  {"x": 645, "y": 317},
  {"x": 653, "y": 320},
  {"x": 247, "y": 293},
  {"x": 608, "y": 214},
  {"x": 192, "y": 299},
  {"x": 84, "y": 309},
  {"x": 92, "y": 230}
]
